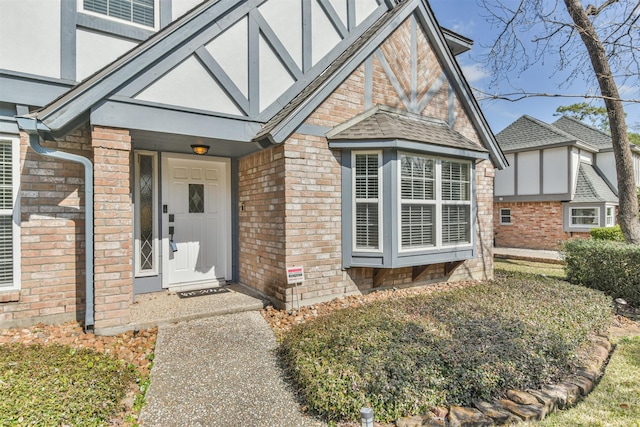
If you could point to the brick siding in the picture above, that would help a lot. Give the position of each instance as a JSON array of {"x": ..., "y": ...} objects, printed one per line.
[
  {"x": 52, "y": 236},
  {"x": 534, "y": 225},
  {"x": 113, "y": 235},
  {"x": 292, "y": 195}
]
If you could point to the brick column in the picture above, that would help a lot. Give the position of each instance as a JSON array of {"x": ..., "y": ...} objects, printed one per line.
[{"x": 113, "y": 229}]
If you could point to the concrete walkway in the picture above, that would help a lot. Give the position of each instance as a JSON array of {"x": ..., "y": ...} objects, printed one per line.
[
  {"x": 220, "y": 371},
  {"x": 553, "y": 257}
]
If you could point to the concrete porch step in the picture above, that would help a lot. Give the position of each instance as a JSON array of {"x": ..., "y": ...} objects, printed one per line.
[{"x": 163, "y": 308}]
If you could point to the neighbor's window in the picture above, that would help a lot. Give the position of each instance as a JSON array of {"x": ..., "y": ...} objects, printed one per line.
[
  {"x": 505, "y": 216},
  {"x": 366, "y": 189},
  {"x": 9, "y": 231},
  {"x": 611, "y": 220},
  {"x": 137, "y": 11},
  {"x": 584, "y": 216}
]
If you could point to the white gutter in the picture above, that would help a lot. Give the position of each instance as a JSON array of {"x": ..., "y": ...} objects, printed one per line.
[{"x": 32, "y": 127}]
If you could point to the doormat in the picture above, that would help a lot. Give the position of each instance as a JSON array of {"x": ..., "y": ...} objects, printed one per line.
[{"x": 201, "y": 292}]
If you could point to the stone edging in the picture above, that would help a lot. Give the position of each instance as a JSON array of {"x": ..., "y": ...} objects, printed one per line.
[{"x": 522, "y": 405}]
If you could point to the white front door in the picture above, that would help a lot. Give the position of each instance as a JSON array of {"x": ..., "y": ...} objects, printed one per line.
[{"x": 196, "y": 209}]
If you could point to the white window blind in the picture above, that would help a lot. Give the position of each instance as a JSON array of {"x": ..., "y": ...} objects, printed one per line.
[
  {"x": 418, "y": 192},
  {"x": 367, "y": 207},
  {"x": 6, "y": 214},
  {"x": 136, "y": 11}
]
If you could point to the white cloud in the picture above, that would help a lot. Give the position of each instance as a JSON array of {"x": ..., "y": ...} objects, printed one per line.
[{"x": 474, "y": 73}]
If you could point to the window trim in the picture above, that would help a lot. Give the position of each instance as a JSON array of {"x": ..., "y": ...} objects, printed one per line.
[
  {"x": 608, "y": 217},
  {"x": 571, "y": 216},
  {"x": 156, "y": 239},
  {"x": 15, "y": 214},
  {"x": 156, "y": 16},
  {"x": 502, "y": 216},
  {"x": 438, "y": 204},
  {"x": 390, "y": 256},
  {"x": 354, "y": 202}
]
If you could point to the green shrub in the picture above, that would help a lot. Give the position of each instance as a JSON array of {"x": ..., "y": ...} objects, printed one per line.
[
  {"x": 405, "y": 356},
  {"x": 611, "y": 267},
  {"x": 57, "y": 385},
  {"x": 613, "y": 234}
]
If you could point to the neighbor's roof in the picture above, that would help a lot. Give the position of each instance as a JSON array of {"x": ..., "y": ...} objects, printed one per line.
[
  {"x": 583, "y": 132},
  {"x": 591, "y": 187},
  {"x": 528, "y": 132},
  {"x": 383, "y": 123}
]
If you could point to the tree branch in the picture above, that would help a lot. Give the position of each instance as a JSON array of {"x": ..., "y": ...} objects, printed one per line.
[
  {"x": 518, "y": 96},
  {"x": 595, "y": 11}
]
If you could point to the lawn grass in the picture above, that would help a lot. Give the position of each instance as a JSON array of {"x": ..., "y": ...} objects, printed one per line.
[
  {"x": 555, "y": 271},
  {"x": 58, "y": 385},
  {"x": 405, "y": 356},
  {"x": 615, "y": 402}
]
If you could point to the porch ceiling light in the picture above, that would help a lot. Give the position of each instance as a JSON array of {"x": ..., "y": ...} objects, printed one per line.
[{"x": 201, "y": 150}]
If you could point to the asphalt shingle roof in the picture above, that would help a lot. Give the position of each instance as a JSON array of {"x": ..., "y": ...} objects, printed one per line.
[
  {"x": 527, "y": 132},
  {"x": 583, "y": 132},
  {"x": 591, "y": 187},
  {"x": 386, "y": 124}
]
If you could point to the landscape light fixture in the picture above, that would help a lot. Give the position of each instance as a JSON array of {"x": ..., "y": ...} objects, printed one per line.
[{"x": 200, "y": 150}]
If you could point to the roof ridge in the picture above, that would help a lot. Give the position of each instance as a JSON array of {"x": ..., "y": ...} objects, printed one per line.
[{"x": 581, "y": 123}]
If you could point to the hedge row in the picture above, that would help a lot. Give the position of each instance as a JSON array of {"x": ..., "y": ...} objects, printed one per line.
[
  {"x": 611, "y": 267},
  {"x": 607, "y": 233}
]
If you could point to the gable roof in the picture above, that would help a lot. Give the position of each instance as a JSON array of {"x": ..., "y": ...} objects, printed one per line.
[
  {"x": 591, "y": 187},
  {"x": 528, "y": 132},
  {"x": 385, "y": 123},
  {"x": 283, "y": 124},
  {"x": 583, "y": 132},
  {"x": 73, "y": 107}
]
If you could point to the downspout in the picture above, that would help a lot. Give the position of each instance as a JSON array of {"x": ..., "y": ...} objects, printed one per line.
[{"x": 30, "y": 125}]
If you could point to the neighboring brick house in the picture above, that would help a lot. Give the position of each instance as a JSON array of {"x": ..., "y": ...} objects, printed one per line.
[
  {"x": 335, "y": 135},
  {"x": 560, "y": 183}
]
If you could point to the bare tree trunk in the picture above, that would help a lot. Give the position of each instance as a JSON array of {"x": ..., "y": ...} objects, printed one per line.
[{"x": 628, "y": 207}]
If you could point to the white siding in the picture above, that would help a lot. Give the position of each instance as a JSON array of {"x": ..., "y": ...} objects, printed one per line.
[
  {"x": 274, "y": 78},
  {"x": 636, "y": 167},
  {"x": 180, "y": 7},
  {"x": 529, "y": 173},
  {"x": 504, "y": 180},
  {"x": 364, "y": 8},
  {"x": 555, "y": 172},
  {"x": 586, "y": 157},
  {"x": 324, "y": 37},
  {"x": 607, "y": 164},
  {"x": 189, "y": 85},
  {"x": 95, "y": 50},
  {"x": 231, "y": 51},
  {"x": 285, "y": 19},
  {"x": 30, "y": 36}
]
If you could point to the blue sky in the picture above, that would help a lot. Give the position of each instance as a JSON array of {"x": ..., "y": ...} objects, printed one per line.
[{"x": 467, "y": 18}]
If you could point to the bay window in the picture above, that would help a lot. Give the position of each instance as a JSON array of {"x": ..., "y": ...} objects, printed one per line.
[{"x": 407, "y": 209}]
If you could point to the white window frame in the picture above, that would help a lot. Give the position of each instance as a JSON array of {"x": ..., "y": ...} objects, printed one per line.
[
  {"x": 572, "y": 216},
  {"x": 503, "y": 216},
  {"x": 355, "y": 201},
  {"x": 439, "y": 202},
  {"x": 15, "y": 212},
  {"x": 610, "y": 220},
  {"x": 156, "y": 16},
  {"x": 156, "y": 241}
]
